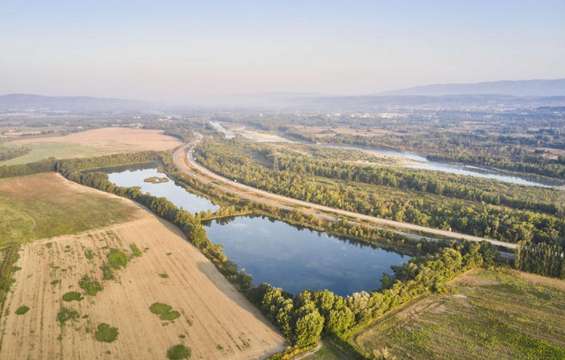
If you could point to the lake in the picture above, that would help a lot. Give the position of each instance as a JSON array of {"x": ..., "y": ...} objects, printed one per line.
[
  {"x": 296, "y": 259},
  {"x": 175, "y": 193},
  {"x": 275, "y": 252}
]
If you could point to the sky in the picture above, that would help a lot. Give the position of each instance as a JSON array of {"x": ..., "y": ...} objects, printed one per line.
[{"x": 182, "y": 51}]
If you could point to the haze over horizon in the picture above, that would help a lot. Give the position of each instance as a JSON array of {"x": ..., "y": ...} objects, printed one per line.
[{"x": 178, "y": 51}]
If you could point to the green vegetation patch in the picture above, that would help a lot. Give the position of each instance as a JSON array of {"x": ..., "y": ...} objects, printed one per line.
[
  {"x": 22, "y": 310},
  {"x": 178, "y": 352},
  {"x": 490, "y": 315},
  {"x": 135, "y": 251},
  {"x": 43, "y": 205},
  {"x": 106, "y": 333},
  {"x": 41, "y": 151},
  {"x": 89, "y": 254},
  {"x": 164, "y": 311},
  {"x": 107, "y": 272},
  {"x": 72, "y": 296},
  {"x": 117, "y": 259},
  {"x": 65, "y": 314},
  {"x": 90, "y": 286}
]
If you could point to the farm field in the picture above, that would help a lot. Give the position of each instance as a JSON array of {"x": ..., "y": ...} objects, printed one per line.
[
  {"x": 130, "y": 291},
  {"x": 90, "y": 143},
  {"x": 484, "y": 314},
  {"x": 45, "y": 205}
]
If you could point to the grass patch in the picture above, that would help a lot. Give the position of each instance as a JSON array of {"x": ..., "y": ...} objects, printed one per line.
[
  {"x": 89, "y": 254},
  {"x": 117, "y": 259},
  {"x": 90, "y": 286},
  {"x": 22, "y": 310},
  {"x": 44, "y": 205},
  {"x": 41, "y": 151},
  {"x": 72, "y": 296},
  {"x": 135, "y": 251},
  {"x": 106, "y": 333},
  {"x": 164, "y": 275},
  {"x": 487, "y": 314},
  {"x": 178, "y": 352},
  {"x": 164, "y": 311},
  {"x": 65, "y": 314},
  {"x": 8, "y": 258},
  {"x": 107, "y": 272}
]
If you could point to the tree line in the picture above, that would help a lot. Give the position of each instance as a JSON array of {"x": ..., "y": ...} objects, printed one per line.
[
  {"x": 401, "y": 179},
  {"x": 541, "y": 258},
  {"x": 475, "y": 218},
  {"x": 12, "y": 152}
]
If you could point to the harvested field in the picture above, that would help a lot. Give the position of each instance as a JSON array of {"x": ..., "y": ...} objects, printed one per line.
[
  {"x": 93, "y": 142},
  {"x": 485, "y": 314},
  {"x": 207, "y": 314},
  {"x": 45, "y": 205}
]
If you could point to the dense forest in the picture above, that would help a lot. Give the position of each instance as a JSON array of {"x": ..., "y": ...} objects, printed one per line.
[{"x": 233, "y": 160}]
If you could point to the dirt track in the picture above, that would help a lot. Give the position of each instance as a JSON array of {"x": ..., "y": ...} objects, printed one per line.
[
  {"x": 216, "y": 321},
  {"x": 185, "y": 162}
]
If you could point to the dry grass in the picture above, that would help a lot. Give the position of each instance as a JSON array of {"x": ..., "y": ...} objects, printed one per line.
[
  {"x": 93, "y": 142},
  {"x": 486, "y": 314},
  {"x": 216, "y": 321},
  {"x": 45, "y": 205}
]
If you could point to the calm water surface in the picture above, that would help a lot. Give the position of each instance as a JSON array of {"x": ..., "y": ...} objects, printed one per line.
[
  {"x": 276, "y": 252},
  {"x": 419, "y": 162},
  {"x": 285, "y": 256},
  {"x": 175, "y": 193}
]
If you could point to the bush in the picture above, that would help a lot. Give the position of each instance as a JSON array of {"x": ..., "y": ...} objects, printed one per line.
[
  {"x": 88, "y": 254},
  {"x": 164, "y": 311},
  {"x": 135, "y": 250},
  {"x": 107, "y": 273},
  {"x": 89, "y": 285},
  {"x": 106, "y": 333},
  {"x": 66, "y": 314},
  {"x": 117, "y": 259},
  {"x": 178, "y": 352},
  {"x": 72, "y": 296},
  {"x": 22, "y": 310}
]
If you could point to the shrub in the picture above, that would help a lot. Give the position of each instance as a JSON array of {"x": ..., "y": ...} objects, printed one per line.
[
  {"x": 135, "y": 250},
  {"x": 22, "y": 310},
  {"x": 89, "y": 285},
  {"x": 178, "y": 352},
  {"x": 66, "y": 314},
  {"x": 72, "y": 296},
  {"x": 164, "y": 311},
  {"x": 117, "y": 259},
  {"x": 107, "y": 273},
  {"x": 88, "y": 254},
  {"x": 106, "y": 333}
]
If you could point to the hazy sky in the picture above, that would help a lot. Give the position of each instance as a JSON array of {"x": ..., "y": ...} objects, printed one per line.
[{"x": 181, "y": 50}]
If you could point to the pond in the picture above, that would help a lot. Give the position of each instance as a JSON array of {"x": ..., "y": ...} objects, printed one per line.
[
  {"x": 175, "y": 193},
  {"x": 296, "y": 259},
  {"x": 276, "y": 252}
]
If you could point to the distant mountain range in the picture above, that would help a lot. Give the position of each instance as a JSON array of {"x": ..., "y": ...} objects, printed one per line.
[
  {"x": 523, "y": 88},
  {"x": 29, "y": 102}
]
